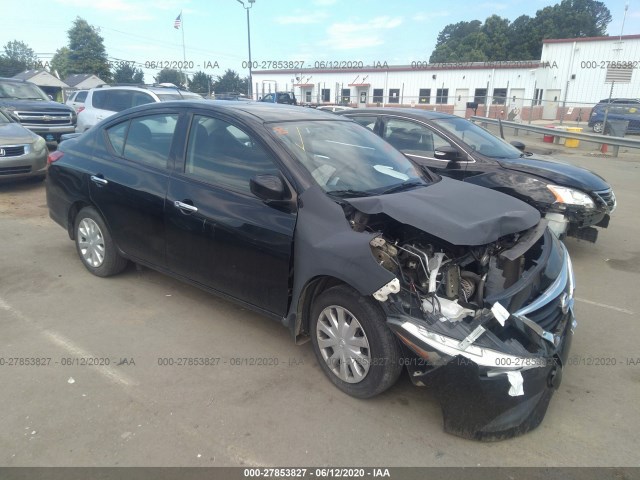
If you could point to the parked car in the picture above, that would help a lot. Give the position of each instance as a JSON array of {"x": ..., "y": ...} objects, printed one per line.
[
  {"x": 240, "y": 97},
  {"x": 27, "y": 104},
  {"x": 76, "y": 100},
  {"x": 23, "y": 154},
  {"x": 287, "y": 98},
  {"x": 619, "y": 109},
  {"x": 334, "y": 108},
  {"x": 103, "y": 101},
  {"x": 313, "y": 221},
  {"x": 573, "y": 199}
]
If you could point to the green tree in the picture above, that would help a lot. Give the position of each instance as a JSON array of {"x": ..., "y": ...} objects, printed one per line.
[
  {"x": 125, "y": 73},
  {"x": 230, "y": 82},
  {"x": 201, "y": 83},
  {"x": 17, "y": 58},
  {"x": 169, "y": 75},
  {"x": 61, "y": 63},
  {"x": 498, "y": 39},
  {"x": 86, "y": 52}
]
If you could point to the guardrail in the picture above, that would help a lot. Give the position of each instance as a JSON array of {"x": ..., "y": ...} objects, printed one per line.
[{"x": 617, "y": 142}]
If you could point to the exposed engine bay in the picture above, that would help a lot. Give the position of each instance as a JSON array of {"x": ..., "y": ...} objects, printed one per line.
[{"x": 440, "y": 281}]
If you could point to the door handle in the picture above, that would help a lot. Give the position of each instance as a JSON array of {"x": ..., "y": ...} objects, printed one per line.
[
  {"x": 98, "y": 180},
  {"x": 185, "y": 206}
]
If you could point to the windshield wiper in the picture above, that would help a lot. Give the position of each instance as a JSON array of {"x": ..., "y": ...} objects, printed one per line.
[
  {"x": 404, "y": 186},
  {"x": 350, "y": 193}
]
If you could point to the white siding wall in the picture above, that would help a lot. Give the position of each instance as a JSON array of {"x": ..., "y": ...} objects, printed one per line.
[{"x": 559, "y": 61}]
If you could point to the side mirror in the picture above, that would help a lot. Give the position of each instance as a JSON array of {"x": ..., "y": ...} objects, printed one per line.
[
  {"x": 518, "y": 145},
  {"x": 268, "y": 187},
  {"x": 446, "y": 152}
]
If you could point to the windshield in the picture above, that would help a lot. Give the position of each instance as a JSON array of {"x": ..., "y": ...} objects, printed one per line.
[
  {"x": 21, "y": 91},
  {"x": 478, "y": 138},
  {"x": 347, "y": 160},
  {"x": 4, "y": 119}
]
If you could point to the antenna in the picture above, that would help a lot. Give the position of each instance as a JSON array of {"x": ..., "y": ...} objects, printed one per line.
[{"x": 626, "y": 7}]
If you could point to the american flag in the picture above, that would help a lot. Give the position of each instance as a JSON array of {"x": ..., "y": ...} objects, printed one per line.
[{"x": 178, "y": 21}]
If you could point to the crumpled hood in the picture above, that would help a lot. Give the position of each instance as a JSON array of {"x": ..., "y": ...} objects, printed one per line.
[
  {"x": 456, "y": 212},
  {"x": 15, "y": 134},
  {"x": 557, "y": 173}
]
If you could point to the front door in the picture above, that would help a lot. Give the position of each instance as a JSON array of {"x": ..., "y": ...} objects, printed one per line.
[
  {"x": 218, "y": 233},
  {"x": 516, "y": 102},
  {"x": 550, "y": 104},
  {"x": 362, "y": 98},
  {"x": 419, "y": 142},
  {"x": 460, "y": 105}
]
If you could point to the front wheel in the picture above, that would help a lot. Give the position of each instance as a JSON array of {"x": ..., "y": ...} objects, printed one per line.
[
  {"x": 353, "y": 344},
  {"x": 597, "y": 127},
  {"x": 95, "y": 245}
]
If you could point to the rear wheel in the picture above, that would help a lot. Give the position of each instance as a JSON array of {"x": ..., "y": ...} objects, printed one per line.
[
  {"x": 353, "y": 344},
  {"x": 95, "y": 245}
]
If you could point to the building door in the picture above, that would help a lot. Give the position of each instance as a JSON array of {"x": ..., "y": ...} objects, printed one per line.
[
  {"x": 550, "y": 104},
  {"x": 363, "y": 95},
  {"x": 460, "y": 105},
  {"x": 516, "y": 102}
]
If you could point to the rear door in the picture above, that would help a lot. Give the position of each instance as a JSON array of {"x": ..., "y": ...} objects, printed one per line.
[
  {"x": 218, "y": 233},
  {"x": 129, "y": 183}
]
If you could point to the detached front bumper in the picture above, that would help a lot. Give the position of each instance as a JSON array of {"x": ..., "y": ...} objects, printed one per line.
[{"x": 487, "y": 392}]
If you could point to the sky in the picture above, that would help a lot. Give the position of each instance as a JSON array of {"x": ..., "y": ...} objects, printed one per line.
[{"x": 304, "y": 31}]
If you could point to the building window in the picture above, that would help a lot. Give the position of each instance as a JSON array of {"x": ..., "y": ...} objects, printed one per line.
[
  {"x": 346, "y": 95},
  {"x": 480, "y": 97},
  {"x": 537, "y": 97},
  {"x": 425, "y": 95},
  {"x": 326, "y": 94},
  {"x": 377, "y": 95},
  {"x": 442, "y": 95},
  {"x": 394, "y": 95},
  {"x": 499, "y": 96}
]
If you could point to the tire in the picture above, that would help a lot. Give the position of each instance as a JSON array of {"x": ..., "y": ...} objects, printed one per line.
[
  {"x": 597, "y": 127},
  {"x": 95, "y": 246},
  {"x": 372, "y": 351}
]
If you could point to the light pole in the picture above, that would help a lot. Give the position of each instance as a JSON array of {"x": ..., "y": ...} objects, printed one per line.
[{"x": 250, "y": 2}]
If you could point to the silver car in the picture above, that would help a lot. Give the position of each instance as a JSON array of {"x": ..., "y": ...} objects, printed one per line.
[{"x": 22, "y": 153}]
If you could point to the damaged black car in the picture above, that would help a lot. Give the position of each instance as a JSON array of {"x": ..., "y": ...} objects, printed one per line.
[
  {"x": 575, "y": 201},
  {"x": 320, "y": 224}
]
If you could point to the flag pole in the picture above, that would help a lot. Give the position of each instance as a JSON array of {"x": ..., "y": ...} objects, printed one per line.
[{"x": 184, "y": 54}]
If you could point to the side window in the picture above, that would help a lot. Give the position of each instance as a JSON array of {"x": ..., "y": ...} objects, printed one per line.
[
  {"x": 149, "y": 139},
  {"x": 140, "y": 98},
  {"x": 224, "y": 155},
  {"x": 117, "y": 135},
  {"x": 412, "y": 138},
  {"x": 368, "y": 121},
  {"x": 99, "y": 99}
]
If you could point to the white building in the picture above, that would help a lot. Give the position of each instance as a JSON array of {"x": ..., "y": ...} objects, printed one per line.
[{"x": 571, "y": 76}]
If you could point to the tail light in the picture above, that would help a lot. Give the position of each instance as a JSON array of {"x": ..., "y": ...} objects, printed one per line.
[
  {"x": 79, "y": 109},
  {"x": 54, "y": 156}
]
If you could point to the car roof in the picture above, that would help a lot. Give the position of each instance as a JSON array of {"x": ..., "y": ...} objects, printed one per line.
[
  {"x": 265, "y": 112},
  {"x": 415, "y": 113}
]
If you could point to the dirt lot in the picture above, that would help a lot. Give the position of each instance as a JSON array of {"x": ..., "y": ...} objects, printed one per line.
[{"x": 134, "y": 411}]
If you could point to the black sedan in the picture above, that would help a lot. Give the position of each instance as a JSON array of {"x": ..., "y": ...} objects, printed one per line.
[
  {"x": 321, "y": 225},
  {"x": 572, "y": 199}
]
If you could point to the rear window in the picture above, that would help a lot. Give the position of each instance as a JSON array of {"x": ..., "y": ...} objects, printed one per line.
[{"x": 80, "y": 97}]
